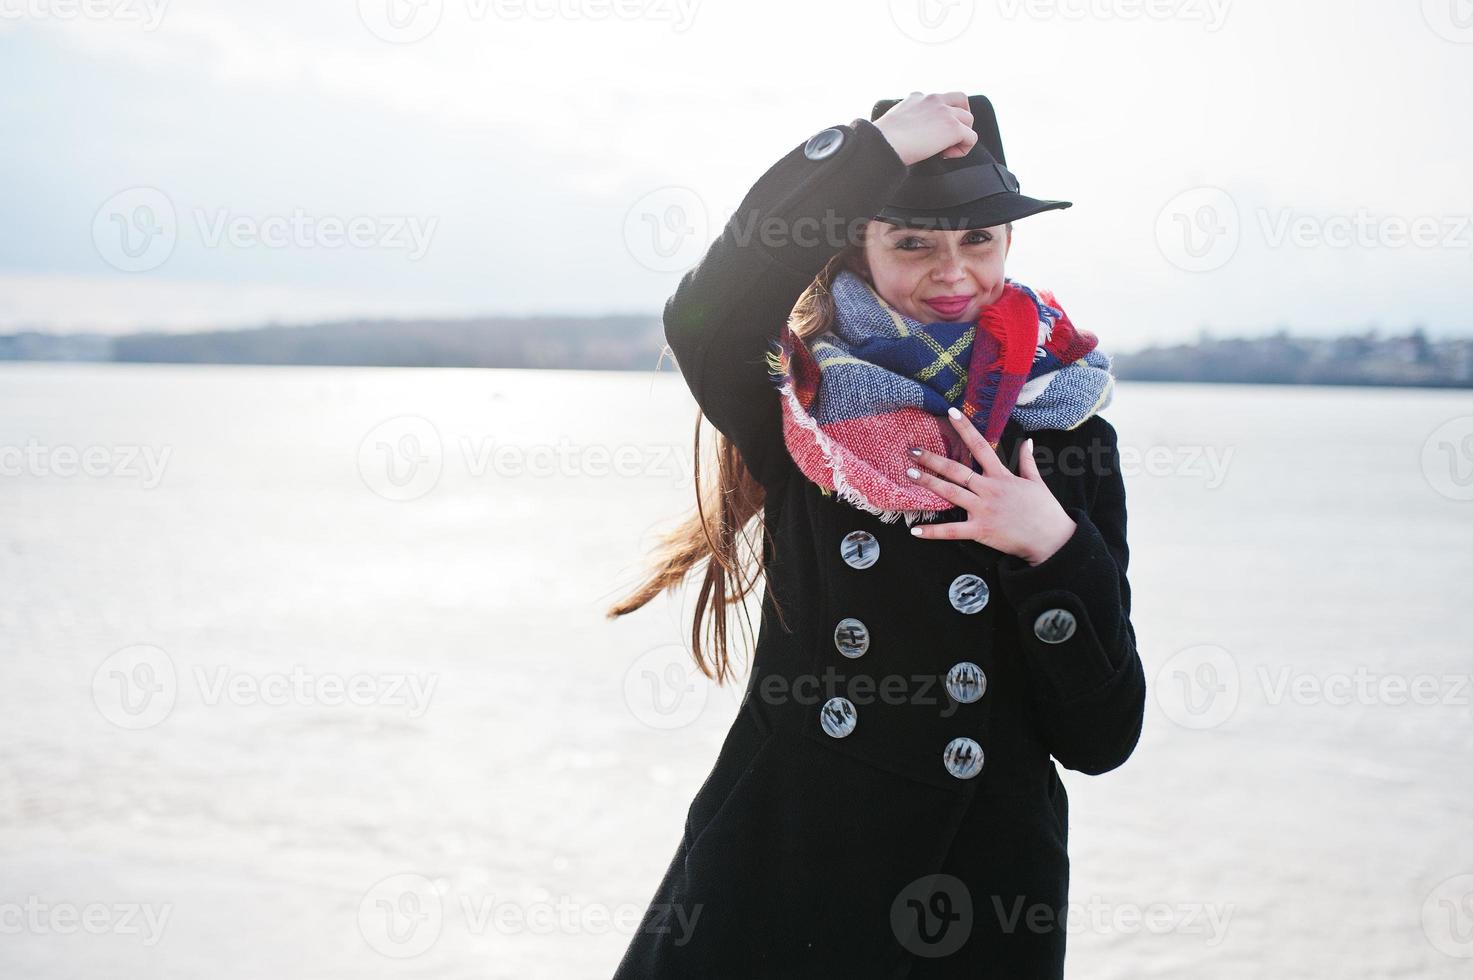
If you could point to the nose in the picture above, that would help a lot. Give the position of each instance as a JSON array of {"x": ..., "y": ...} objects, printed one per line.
[{"x": 949, "y": 270}]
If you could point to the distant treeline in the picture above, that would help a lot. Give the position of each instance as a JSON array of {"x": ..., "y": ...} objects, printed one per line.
[
  {"x": 621, "y": 343},
  {"x": 607, "y": 342},
  {"x": 1362, "y": 359}
]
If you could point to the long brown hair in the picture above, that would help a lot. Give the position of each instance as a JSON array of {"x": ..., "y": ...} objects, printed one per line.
[{"x": 717, "y": 532}]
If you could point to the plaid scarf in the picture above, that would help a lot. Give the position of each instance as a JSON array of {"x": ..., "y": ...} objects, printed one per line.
[{"x": 856, "y": 396}]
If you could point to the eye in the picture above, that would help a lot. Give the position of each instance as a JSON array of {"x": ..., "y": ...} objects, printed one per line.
[{"x": 912, "y": 243}]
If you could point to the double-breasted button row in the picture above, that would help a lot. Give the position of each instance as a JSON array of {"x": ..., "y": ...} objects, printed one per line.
[
  {"x": 966, "y": 682},
  {"x": 968, "y": 592},
  {"x": 962, "y": 756}
]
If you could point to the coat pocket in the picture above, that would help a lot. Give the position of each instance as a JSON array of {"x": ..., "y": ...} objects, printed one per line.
[{"x": 734, "y": 762}]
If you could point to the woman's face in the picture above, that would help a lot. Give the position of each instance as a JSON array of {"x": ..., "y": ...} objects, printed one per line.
[{"x": 937, "y": 275}]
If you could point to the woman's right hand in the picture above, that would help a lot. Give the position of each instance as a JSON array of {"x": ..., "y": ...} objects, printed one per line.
[{"x": 920, "y": 126}]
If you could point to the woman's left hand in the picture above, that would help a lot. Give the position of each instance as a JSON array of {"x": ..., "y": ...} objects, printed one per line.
[{"x": 1017, "y": 515}]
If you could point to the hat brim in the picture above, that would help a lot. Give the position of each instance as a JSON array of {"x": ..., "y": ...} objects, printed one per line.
[{"x": 984, "y": 212}]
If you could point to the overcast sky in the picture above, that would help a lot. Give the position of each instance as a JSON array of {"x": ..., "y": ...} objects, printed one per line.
[{"x": 1235, "y": 165}]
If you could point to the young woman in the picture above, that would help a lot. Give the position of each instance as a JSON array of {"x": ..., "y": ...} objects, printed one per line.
[{"x": 885, "y": 804}]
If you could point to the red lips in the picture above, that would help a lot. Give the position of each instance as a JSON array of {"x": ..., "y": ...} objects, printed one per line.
[{"x": 949, "y": 307}]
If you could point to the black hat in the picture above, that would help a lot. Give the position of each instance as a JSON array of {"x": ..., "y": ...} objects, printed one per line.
[{"x": 973, "y": 191}]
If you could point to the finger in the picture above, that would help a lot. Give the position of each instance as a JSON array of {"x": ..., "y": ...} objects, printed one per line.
[
  {"x": 958, "y": 99},
  {"x": 950, "y": 531},
  {"x": 980, "y": 447},
  {"x": 1027, "y": 465},
  {"x": 963, "y": 115},
  {"x": 967, "y": 138},
  {"x": 958, "y": 495},
  {"x": 948, "y": 469}
]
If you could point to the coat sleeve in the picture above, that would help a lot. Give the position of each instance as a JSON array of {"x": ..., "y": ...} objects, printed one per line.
[
  {"x": 1090, "y": 688},
  {"x": 738, "y": 297}
]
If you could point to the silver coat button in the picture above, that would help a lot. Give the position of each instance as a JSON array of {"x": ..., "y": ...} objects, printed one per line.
[
  {"x": 859, "y": 549},
  {"x": 963, "y": 757},
  {"x": 851, "y": 637},
  {"x": 966, "y": 682},
  {"x": 824, "y": 144},
  {"x": 837, "y": 717},
  {"x": 968, "y": 593},
  {"x": 1054, "y": 625}
]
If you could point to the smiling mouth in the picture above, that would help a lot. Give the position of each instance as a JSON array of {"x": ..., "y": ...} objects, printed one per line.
[{"x": 949, "y": 305}]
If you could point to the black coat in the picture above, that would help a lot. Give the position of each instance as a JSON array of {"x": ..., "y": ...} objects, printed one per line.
[{"x": 813, "y": 853}]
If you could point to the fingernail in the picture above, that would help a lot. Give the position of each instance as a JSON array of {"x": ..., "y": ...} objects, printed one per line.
[
  {"x": 912, "y": 472},
  {"x": 953, "y": 412},
  {"x": 914, "y": 452},
  {"x": 916, "y": 531}
]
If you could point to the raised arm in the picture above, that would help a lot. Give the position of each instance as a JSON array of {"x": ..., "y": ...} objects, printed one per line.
[{"x": 798, "y": 215}]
